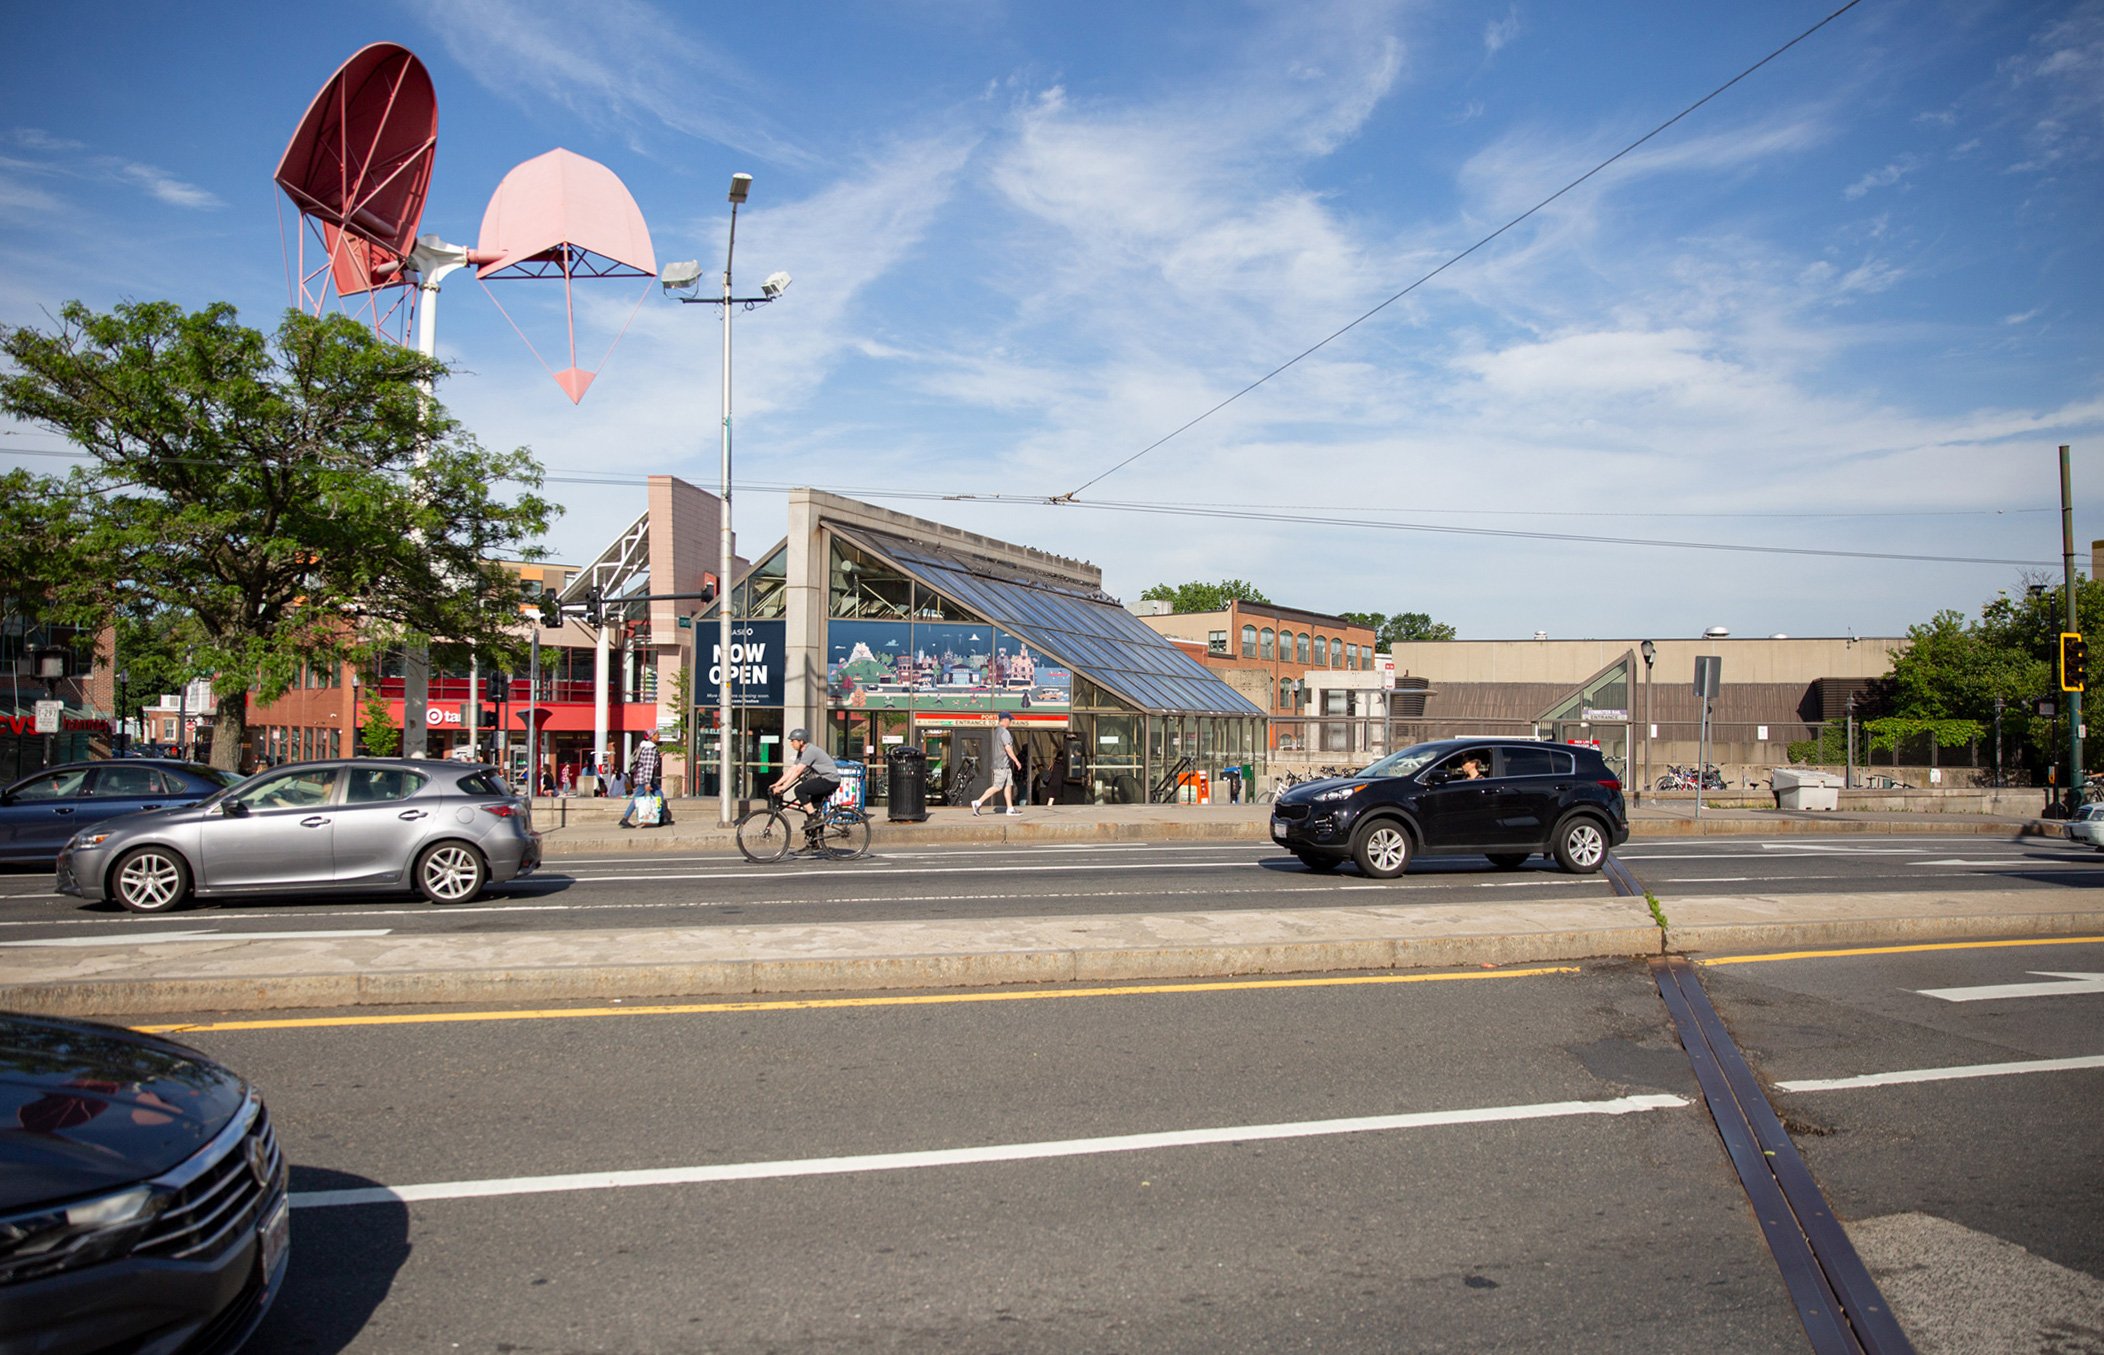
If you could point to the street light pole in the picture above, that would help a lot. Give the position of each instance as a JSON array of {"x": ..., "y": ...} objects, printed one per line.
[
  {"x": 741, "y": 184},
  {"x": 678, "y": 277},
  {"x": 1650, "y": 652}
]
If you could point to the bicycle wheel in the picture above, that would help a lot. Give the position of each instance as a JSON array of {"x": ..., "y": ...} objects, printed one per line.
[
  {"x": 763, "y": 836},
  {"x": 846, "y": 834}
]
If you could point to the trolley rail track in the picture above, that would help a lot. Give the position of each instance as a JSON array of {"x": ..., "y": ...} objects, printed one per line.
[{"x": 1841, "y": 1308}]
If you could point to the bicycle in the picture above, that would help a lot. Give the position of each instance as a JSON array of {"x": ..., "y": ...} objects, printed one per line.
[{"x": 833, "y": 833}]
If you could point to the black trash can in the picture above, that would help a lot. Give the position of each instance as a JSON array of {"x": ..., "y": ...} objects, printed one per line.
[{"x": 908, "y": 784}]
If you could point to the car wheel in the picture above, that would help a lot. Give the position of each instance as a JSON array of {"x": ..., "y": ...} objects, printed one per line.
[
  {"x": 450, "y": 872},
  {"x": 150, "y": 880},
  {"x": 1321, "y": 865},
  {"x": 1581, "y": 845},
  {"x": 1509, "y": 860},
  {"x": 1382, "y": 849}
]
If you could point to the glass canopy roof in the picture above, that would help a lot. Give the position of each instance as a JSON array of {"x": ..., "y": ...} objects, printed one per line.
[{"x": 1095, "y": 636}]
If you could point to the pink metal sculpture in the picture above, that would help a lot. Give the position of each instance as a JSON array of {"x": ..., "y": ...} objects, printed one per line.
[
  {"x": 358, "y": 168},
  {"x": 560, "y": 215}
]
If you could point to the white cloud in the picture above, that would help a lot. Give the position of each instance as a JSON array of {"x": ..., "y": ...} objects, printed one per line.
[
  {"x": 629, "y": 70},
  {"x": 1879, "y": 178},
  {"x": 165, "y": 187},
  {"x": 1498, "y": 32}
]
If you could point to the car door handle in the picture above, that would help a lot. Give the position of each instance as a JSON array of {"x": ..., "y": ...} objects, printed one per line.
[
  {"x": 62, "y": 809},
  {"x": 412, "y": 814},
  {"x": 317, "y": 821},
  {"x": 153, "y": 806}
]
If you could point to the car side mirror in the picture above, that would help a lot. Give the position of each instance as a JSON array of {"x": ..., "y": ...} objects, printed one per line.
[
  {"x": 234, "y": 809},
  {"x": 1439, "y": 778}
]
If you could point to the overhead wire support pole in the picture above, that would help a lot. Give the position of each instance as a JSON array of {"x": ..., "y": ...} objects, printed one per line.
[{"x": 2074, "y": 623}]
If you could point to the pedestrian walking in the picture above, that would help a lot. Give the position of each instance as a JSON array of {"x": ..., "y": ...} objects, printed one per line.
[
  {"x": 645, "y": 788},
  {"x": 567, "y": 782},
  {"x": 1006, "y": 765}
]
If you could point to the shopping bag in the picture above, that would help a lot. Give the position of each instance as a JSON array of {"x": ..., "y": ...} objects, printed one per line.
[{"x": 646, "y": 809}]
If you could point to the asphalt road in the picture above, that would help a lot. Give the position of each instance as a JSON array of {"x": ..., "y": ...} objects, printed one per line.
[
  {"x": 1050, "y": 880},
  {"x": 957, "y": 1171}
]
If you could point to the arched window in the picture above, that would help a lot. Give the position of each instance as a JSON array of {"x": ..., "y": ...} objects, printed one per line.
[
  {"x": 1336, "y": 652},
  {"x": 1285, "y": 693},
  {"x": 1249, "y": 642},
  {"x": 1267, "y": 643},
  {"x": 1300, "y": 647}
]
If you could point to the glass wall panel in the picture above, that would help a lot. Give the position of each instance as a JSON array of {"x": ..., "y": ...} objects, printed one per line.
[
  {"x": 1115, "y": 772},
  {"x": 861, "y": 585},
  {"x": 869, "y": 664}
]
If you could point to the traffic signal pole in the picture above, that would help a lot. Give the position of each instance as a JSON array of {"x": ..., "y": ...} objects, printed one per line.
[{"x": 2074, "y": 624}]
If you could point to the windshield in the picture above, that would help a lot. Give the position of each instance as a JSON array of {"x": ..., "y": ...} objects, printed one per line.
[{"x": 1407, "y": 761}]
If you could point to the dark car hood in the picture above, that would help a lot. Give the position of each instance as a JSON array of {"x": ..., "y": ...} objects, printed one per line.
[
  {"x": 1308, "y": 790},
  {"x": 86, "y": 1108}
]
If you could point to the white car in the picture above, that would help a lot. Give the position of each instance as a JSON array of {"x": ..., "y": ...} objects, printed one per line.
[{"x": 2088, "y": 826}]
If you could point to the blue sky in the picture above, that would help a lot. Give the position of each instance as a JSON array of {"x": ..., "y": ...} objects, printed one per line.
[{"x": 1850, "y": 304}]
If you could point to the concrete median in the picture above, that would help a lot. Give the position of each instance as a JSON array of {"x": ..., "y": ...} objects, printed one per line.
[{"x": 230, "y": 974}]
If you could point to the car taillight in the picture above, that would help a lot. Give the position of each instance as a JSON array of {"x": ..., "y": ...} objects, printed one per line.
[
  {"x": 1612, "y": 783},
  {"x": 503, "y": 811}
]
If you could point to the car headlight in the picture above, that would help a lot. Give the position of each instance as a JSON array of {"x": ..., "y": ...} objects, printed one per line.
[
  {"x": 1340, "y": 792},
  {"x": 69, "y": 1236},
  {"x": 88, "y": 840}
]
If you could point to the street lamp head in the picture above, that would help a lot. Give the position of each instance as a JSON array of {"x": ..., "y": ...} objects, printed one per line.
[
  {"x": 741, "y": 184},
  {"x": 776, "y": 284},
  {"x": 1650, "y": 652},
  {"x": 675, "y": 277}
]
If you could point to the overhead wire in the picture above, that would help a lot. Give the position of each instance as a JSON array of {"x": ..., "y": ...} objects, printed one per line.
[{"x": 1070, "y": 495}]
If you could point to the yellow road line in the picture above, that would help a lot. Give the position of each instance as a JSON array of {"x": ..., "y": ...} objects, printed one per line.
[
  {"x": 815, "y": 1004},
  {"x": 1902, "y": 950}
]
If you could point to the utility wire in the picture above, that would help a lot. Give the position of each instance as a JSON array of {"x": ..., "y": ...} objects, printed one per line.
[
  {"x": 559, "y": 475},
  {"x": 1069, "y": 496}
]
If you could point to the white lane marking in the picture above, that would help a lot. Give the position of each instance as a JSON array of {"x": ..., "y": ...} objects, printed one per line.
[
  {"x": 158, "y": 938},
  {"x": 2069, "y": 983},
  {"x": 1958, "y": 861},
  {"x": 1719, "y": 879},
  {"x": 1828, "y": 1084},
  {"x": 952, "y": 1157}
]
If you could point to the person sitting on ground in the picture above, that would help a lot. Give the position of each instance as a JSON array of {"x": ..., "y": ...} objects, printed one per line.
[{"x": 810, "y": 778}]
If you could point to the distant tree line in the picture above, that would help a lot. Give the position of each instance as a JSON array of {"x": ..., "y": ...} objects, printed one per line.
[{"x": 1388, "y": 628}]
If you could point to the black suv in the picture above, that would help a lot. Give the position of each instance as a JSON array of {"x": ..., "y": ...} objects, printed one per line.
[{"x": 1503, "y": 798}]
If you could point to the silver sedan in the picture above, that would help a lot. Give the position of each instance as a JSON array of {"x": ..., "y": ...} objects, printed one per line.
[
  {"x": 2088, "y": 826},
  {"x": 446, "y": 829}
]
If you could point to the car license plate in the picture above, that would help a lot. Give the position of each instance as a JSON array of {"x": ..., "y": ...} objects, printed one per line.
[{"x": 274, "y": 1237}]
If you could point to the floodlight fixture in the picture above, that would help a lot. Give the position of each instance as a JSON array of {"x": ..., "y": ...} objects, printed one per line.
[
  {"x": 679, "y": 276},
  {"x": 741, "y": 184},
  {"x": 776, "y": 284}
]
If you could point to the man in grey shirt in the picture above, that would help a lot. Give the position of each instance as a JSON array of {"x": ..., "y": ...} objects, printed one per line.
[
  {"x": 1006, "y": 765},
  {"x": 811, "y": 776}
]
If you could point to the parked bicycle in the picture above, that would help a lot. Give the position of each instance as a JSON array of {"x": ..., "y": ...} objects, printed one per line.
[
  {"x": 833, "y": 833},
  {"x": 1678, "y": 777}
]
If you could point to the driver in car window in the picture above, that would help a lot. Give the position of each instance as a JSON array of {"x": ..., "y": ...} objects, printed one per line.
[{"x": 1470, "y": 768}]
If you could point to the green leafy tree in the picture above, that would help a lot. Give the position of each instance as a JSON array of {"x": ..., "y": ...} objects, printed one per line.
[
  {"x": 299, "y": 493},
  {"x": 376, "y": 727},
  {"x": 1388, "y": 630},
  {"x": 1205, "y": 597}
]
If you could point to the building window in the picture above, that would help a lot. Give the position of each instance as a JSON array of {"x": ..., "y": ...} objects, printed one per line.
[
  {"x": 1300, "y": 648},
  {"x": 1285, "y": 693},
  {"x": 1249, "y": 642},
  {"x": 1336, "y": 652},
  {"x": 1265, "y": 653},
  {"x": 1216, "y": 643},
  {"x": 1366, "y": 657},
  {"x": 1351, "y": 656}
]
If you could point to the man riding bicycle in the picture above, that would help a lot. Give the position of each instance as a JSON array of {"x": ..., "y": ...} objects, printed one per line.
[{"x": 809, "y": 780}]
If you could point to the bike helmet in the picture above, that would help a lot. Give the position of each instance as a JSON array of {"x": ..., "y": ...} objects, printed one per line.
[{"x": 799, "y": 736}]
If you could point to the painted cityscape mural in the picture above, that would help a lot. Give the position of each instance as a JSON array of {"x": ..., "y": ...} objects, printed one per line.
[{"x": 940, "y": 665}]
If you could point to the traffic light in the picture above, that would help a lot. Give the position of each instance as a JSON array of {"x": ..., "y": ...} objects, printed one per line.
[
  {"x": 551, "y": 611},
  {"x": 2074, "y": 661},
  {"x": 592, "y": 602}
]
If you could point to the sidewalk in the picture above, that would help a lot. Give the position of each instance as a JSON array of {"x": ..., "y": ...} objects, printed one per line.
[{"x": 229, "y": 973}]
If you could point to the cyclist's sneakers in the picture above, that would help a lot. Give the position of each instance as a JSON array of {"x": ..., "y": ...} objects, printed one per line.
[{"x": 1015, "y": 813}]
